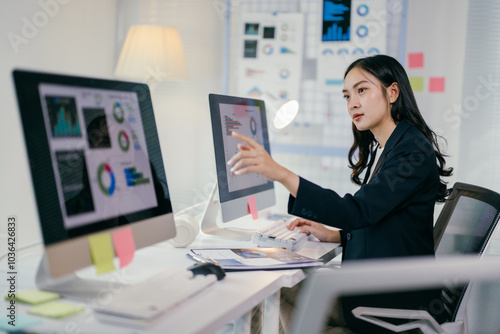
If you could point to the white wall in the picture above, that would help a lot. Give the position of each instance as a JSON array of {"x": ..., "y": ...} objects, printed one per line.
[
  {"x": 76, "y": 37},
  {"x": 181, "y": 108},
  {"x": 83, "y": 37},
  {"x": 438, "y": 29},
  {"x": 480, "y": 112}
]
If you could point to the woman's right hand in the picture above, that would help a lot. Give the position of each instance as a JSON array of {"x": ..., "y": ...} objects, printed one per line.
[
  {"x": 319, "y": 230},
  {"x": 253, "y": 158}
]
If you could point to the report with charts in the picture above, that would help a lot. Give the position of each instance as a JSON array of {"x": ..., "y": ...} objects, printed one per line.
[
  {"x": 256, "y": 258},
  {"x": 245, "y": 119},
  {"x": 98, "y": 151}
]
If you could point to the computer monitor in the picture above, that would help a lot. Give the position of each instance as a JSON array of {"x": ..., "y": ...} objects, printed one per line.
[
  {"x": 95, "y": 161},
  {"x": 246, "y": 116}
]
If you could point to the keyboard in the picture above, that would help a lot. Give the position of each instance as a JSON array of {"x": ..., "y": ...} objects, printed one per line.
[
  {"x": 150, "y": 298},
  {"x": 277, "y": 235}
]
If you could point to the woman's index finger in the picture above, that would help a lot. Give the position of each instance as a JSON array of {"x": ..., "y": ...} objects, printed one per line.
[{"x": 249, "y": 141}]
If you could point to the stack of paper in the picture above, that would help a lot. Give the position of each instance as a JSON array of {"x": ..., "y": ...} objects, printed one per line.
[{"x": 255, "y": 258}]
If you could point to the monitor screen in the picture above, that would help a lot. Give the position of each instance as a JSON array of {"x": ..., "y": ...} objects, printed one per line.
[
  {"x": 248, "y": 117},
  {"x": 95, "y": 162}
]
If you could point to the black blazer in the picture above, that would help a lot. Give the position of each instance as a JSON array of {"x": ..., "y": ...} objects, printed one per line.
[{"x": 389, "y": 216}]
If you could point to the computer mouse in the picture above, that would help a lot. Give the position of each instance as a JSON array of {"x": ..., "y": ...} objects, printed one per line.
[{"x": 206, "y": 268}]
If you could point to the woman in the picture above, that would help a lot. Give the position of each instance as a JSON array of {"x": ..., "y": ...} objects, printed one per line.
[{"x": 391, "y": 215}]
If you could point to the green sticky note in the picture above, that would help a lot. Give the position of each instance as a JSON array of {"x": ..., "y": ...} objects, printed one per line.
[
  {"x": 33, "y": 297},
  {"x": 55, "y": 309},
  {"x": 101, "y": 250},
  {"x": 417, "y": 84}
]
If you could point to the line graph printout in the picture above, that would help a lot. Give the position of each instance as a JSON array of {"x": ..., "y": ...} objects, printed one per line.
[{"x": 247, "y": 121}]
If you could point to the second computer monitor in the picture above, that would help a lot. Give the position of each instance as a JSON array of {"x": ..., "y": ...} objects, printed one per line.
[
  {"x": 95, "y": 162},
  {"x": 248, "y": 117}
]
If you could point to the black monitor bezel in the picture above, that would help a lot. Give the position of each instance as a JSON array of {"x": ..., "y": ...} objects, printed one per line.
[
  {"x": 221, "y": 165},
  {"x": 39, "y": 156}
]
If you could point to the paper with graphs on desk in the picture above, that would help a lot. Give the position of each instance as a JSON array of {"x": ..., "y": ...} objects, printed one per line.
[{"x": 255, "y": 258}]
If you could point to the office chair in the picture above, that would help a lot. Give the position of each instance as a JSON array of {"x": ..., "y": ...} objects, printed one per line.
[
  {"x": 464, "y": 226},
  {"x": 377, "y": 276}
]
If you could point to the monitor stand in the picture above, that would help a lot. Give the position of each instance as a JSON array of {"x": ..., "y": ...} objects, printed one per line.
[
  {"x": 72, "y": 286},
  {"x": 209, "y": 221}
]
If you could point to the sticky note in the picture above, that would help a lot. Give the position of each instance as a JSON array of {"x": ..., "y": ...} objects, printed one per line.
[
  {"x": 34, "y": 297},
  {"x": 436, "y": 84},
  {"x": 416, "y": 60},
  {"x": 417, "y": 84},
  {"x": 123, "y": 240},
  {"x": 101, "y": 250},
  {"x": 252, "y": 207},
  {"x": 55, "y": 309},
  {"x": 22, "y": 322}
]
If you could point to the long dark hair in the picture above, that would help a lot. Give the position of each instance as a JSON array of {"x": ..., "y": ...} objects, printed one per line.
[{"x": 388, "y": 70}]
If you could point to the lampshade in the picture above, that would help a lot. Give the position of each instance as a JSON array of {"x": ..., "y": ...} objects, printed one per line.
[
  {"x": 283, "y": 111},
  {"x": 152, "y": 53},
  {"x": 286, "y": 114}
]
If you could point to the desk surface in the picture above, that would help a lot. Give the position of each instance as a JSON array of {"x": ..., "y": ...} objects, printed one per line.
[{"x": 210, "y": 311}]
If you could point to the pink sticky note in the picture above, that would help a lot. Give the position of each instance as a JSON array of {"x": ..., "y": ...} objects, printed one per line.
[
  {"x": 252, "y": 207},
  {"x": 436, "y": 84},
  {"x": 123, "y": 241},
  {"x": 416, "y": 60}
]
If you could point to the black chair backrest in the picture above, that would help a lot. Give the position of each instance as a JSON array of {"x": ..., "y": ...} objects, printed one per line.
[{"x": 464, "y": 226}]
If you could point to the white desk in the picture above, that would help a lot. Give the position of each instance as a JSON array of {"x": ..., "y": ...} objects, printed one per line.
[{"x": 228, "y": 300}]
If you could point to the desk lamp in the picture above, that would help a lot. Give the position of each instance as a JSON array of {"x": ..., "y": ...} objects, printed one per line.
[
  {"x": 152, "y": 54},
  {"x": 284, "y": 113}
]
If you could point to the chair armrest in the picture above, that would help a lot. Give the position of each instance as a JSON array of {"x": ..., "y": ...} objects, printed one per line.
[{"x": 421, "y": 319}]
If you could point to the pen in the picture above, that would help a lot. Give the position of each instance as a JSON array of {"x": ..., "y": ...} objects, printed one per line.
[
  {"x": 196, "y": 258},
  {"x": 213, "y": 261},
  {"x": 201, "y": 259}
]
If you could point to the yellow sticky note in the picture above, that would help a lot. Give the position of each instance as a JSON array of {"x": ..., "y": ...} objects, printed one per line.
[
  {"x": 55, "y": 309},
  {"x": 101, "y": 250},
  {"x": 417, "y": 84},
  {"x": 33, "y": 297}
]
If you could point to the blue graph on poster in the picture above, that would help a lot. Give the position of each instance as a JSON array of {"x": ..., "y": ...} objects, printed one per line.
[
  {"x": 336, "y": 20},
  {"x": 363, "y": 10}
]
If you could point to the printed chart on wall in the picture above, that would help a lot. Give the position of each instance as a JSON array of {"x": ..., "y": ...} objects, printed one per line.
[
  {"x": 351, "y": 29},
  {"x": 271, "y": 55}
]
